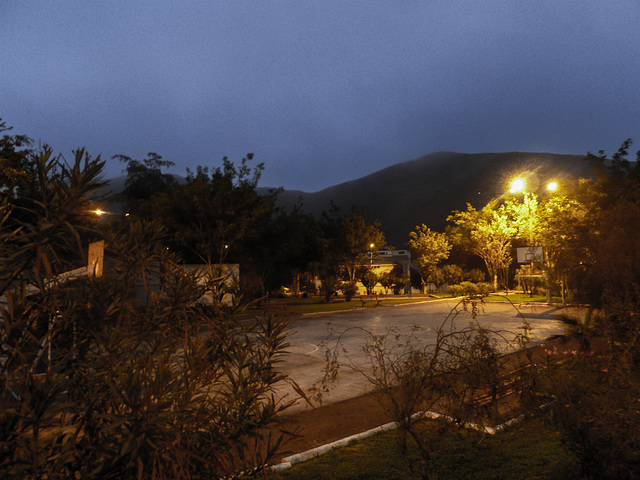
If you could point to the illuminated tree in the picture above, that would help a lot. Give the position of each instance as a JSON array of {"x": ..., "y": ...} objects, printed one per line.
[
  {"x": 490, "y": 232},
  {"x": 428, "y": 250}
]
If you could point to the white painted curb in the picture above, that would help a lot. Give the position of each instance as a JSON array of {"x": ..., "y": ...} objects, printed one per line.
[
  {"x": 288, "y": 462},
  {"x": 321, "y": 450}
]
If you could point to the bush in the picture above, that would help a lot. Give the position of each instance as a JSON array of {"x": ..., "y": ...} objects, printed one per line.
[
  {"x": 125, "y": 375},
  {"x": 349, "y": 290},
  {"x": 469, "y": 289},
  {"x": 596, "y": 410},
  {"x": 475, "y": 275}
]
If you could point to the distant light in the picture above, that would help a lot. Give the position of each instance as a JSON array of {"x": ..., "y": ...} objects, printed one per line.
[
  {"x": 99, "y": 212},
  {"x": 552, "y": 186},
  {"x": 517, "y": 186}
]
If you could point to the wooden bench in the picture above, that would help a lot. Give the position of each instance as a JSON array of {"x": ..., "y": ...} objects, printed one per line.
[
  {"x": 370, "y": 298},
  {"x": 507, "y": 384}
]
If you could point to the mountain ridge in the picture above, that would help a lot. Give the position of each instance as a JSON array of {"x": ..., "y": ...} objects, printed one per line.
[{"x": 427, "y": 189}]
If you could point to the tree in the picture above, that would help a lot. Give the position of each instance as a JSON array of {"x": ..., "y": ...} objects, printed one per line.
[
  {"x": 429, "y": 249},
  {"x": 561, "y": 219},
  {"x": 593, "y": 238},
  {"x": 369, "y": 279},
  {"x": 452, "y": 274},
  {"x": 604, "y": 267},
  {"x": 347, "y": 242},
  {"x": 490, "y": 232},
  {"x": 16, "y": 171},
  {"x": 387, "y": 280},
  {"x": 215, "y": 214},
  {"x": 144, "y": 179},
  {"x": 284, "y": 245}
]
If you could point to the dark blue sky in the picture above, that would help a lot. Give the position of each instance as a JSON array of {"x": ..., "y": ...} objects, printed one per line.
[{"x": 322, "y": 92}]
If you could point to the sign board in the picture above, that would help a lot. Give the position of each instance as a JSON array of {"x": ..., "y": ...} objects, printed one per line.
[{"x": 530, "y": 254}]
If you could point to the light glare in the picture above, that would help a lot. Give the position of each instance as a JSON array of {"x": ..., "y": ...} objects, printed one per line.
[{"x": 517, "y": 186}]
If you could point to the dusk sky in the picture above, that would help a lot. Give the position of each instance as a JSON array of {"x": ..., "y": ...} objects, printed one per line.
[{"x": 324, "y": 91}]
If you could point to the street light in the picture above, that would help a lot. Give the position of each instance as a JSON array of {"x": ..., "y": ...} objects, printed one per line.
[
  {"x": 517, "y": 185},
  {"x": 371, "y": 256}
]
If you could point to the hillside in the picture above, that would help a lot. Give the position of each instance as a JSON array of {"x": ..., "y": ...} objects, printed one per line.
[{"x": 427, "y": 189}]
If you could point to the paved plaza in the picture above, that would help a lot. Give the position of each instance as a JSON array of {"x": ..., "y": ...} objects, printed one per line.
[{"x": 311, "y": 334}]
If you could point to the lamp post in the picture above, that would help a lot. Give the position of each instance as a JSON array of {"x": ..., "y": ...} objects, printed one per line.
[
  {"x": 518, "y": 186},
  {"x": 371, "y": 256}
]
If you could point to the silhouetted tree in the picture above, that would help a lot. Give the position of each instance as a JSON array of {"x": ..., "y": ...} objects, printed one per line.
[
  {"x": 16, "y": 169},
  {"x": 144, "y": 180},
  {"x": 349, "y": 240}
]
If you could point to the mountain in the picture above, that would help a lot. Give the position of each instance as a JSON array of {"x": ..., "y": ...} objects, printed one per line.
[{"x": 428, "y": 189}]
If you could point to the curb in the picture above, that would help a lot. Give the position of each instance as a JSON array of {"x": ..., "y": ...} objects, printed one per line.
[
  {"x": 288, "y": 462},
  {"x": 291, "y": 460}
]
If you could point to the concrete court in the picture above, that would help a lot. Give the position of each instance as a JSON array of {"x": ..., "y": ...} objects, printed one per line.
[{"x": 311, "y": 334}]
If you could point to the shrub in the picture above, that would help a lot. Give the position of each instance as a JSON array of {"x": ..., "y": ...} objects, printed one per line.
[
  {"x": 125, "y": 375},
  {"x": 349, "y": 290},
  {"x": 596, "y": 410}
]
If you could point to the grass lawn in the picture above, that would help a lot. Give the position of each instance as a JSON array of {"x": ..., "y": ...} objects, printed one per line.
[
  {"x": 521, "y": 298},
  {"x": 526, "y": 451},
  {"x": 315, "y": 304}
]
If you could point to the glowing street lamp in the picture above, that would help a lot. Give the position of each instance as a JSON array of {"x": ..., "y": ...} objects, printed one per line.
[
  {"x": 371, "y": 256},
  {"x": 517, "y": 186}
]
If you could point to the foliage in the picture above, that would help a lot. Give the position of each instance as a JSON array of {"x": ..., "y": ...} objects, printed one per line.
[
  {"x": 15, "y": 169},
  {"x": 474, "y": 275},
  {"x": 428, "y": 249},
  {"x": 470, "y": 288},
  {"x": 387, "y": 280},
  {"x": 349, "y": 290},
  {"x": 369, "y": 279},
  {"x": 399, "y": 283},
  {"x": 347, "y": 242},
  {"x": 283, "y": 243},
  {"x": 213, "y": 214},
  {"x": 126, "y": 375},
  {"x": 412, "y": 376},
  {"x": 144, "y": 180},
  {"x": 595, "y": 409},
  {"x": 609, "y": 258},
  {"x": 490, "y": 232},
  {"x": 329, "y": 287},
  {"x": 452, "y": 274}
]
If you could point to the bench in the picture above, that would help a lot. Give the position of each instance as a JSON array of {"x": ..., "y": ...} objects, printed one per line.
[
  {"x": 507, "y": 385},
  {"x": 370, "y": 298}
]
